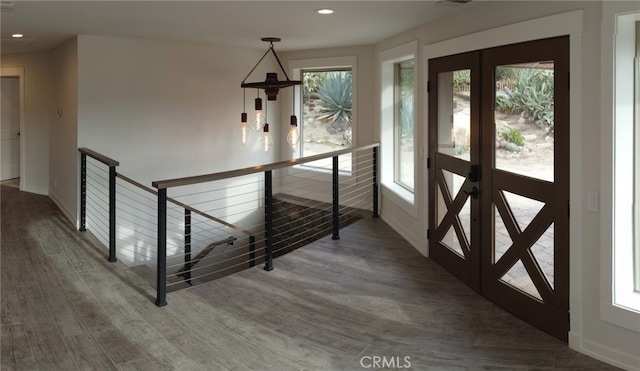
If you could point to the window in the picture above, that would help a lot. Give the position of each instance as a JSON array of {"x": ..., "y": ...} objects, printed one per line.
[
  {"x": 404, "y": 133},
  {"x": 625, "y": 268},
  {"x": 397, "y": 122},
  {"x": 326, "y": 111},
  {"x": 636, "y": 108},
  {"x": 326, "y": 106}
]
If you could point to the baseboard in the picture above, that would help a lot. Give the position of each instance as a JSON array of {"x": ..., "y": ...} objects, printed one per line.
[
  {"x": 603, "y": 353},
  {"x": 65, "y": 211},
  {"x": 418, "y": 245}
]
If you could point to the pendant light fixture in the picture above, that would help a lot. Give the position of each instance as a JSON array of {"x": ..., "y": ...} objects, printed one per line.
[
  {"x": 244, "y": 125},
  {"x": 293, "y": 136},
  {"x": 244, "y": 129},
  {"x": 266, "y": 142},
  {"x": 271, "y": 86},
  {"x": 258, "y": 117}
]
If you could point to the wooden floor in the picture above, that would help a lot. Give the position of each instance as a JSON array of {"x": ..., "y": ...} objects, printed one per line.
[{"x": 332, "y": 305}]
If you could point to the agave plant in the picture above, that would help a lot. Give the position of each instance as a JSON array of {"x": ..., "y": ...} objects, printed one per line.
[{"x": 334, "y": 97}]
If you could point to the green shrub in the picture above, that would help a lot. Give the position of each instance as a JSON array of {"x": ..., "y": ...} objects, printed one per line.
[
  {"x": 507, "y": 105},
  {"x": 334, "y": 97},
  {"x": 505, "y": 73},
  {"x": 461, "y": 78},
  {"x": 513, "y": 135},
  {"x": 533, "y": 95},
  {"x": 312, "y": 81},
  {"x": 512, "y": 147}
]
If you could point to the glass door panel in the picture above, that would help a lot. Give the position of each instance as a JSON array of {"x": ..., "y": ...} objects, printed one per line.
[
  {"x": 524, "y": 119},
  {"x": 454, "y": 113}
]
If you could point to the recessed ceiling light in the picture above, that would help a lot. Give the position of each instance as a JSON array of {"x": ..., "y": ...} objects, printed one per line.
[
  {"x": 17, "y": 35},
  {"x": 324, "y": 11}
]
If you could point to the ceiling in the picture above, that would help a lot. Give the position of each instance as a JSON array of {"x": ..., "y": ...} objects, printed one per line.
[{"x": 46, "y": 24}]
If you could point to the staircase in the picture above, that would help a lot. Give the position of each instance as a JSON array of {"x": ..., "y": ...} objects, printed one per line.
[{"x": 300, "y": 221}]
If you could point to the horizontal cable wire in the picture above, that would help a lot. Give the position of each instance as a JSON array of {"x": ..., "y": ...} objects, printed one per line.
[
  {"x": 101, "y": 212},
  {"x": 200, "y": 193},
  {"x": 136, "y": 200},
  {"x": 202, "y": 268},
  {"x": 98, "y": 177},
  {"x": 212, "y": 254},
  {"x": 98, "y": 167},
  {"x": 206, "y": 262},
  {"x": 183, "y": 195},
  {"x": 97, "y": 229},
  {"x": 97, "y": 188}
]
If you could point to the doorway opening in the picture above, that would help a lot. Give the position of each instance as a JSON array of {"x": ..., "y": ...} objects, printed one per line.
[{"x": 11, "y": 127}]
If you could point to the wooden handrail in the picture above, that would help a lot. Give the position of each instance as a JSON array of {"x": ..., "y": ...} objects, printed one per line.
[
  {"x": 104, "y": 159},
  {"x": 177, "y": 182}
]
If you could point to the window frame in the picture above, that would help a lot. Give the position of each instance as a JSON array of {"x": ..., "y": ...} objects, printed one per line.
[
  {"x": 324, "y": 64},
  {"x": 620, "y": 302},
  {"x": 388, "y": 59}
]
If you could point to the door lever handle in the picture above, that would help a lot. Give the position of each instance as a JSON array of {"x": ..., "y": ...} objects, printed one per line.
[{"x": 474, "y": 193}]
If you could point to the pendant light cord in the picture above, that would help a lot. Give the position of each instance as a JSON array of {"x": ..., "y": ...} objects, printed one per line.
[{"x": 264, "y": 55}]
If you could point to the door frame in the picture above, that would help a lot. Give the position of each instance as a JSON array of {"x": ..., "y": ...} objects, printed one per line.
[
  {"x": 19, "y": 73},
  {"x": 571, "y": 24}
]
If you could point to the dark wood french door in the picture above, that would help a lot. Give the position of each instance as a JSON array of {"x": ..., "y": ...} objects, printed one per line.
[{"x": 499, "y": 176}]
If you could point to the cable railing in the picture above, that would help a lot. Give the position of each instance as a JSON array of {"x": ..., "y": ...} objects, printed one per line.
[
  {"x": 125, "y": 219},
  {"x": 196, "y": 229}
]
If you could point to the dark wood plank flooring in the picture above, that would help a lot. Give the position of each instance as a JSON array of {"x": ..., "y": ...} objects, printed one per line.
[{"x": 324, "y": 307}]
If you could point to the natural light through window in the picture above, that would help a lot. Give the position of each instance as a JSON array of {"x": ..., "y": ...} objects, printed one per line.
[
  {"x": 326, "y": 106},
  {"x": 404, "y": 123},
  {"x": 636, "y": 108},
  {"x": 626, "y": 213},
  {"x": 397, "y": 121}
]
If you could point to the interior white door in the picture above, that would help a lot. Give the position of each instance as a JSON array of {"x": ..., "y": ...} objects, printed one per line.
[{"x": 10, "y": 128}]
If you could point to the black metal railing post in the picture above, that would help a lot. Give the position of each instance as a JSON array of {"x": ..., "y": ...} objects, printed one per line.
[
  {"x": 336, "y": 204},
  {"x": 252, "y": 251},
  {"x": 83, "y": 192},
  {"x": 161, "y": 281},
  {"x": 112, "y": 214},
  {"x": 268, "y": 217},
  {"x": 375, "y": 182},
  {"x": 187, "y": 245}
]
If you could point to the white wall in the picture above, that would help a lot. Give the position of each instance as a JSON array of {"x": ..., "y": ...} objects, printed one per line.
[
  {"x": 167, "y": 109},
  {"x": 63, "y": 154},
  {"x": 35, "y": 134}
]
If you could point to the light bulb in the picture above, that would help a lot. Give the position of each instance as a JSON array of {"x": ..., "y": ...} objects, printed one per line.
[
  {"x": 293, "y": 137},
  {"x": 244, "y": 129},
  {"x": 258, "y": 115},
  {"x": 266, "y": 138}
]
